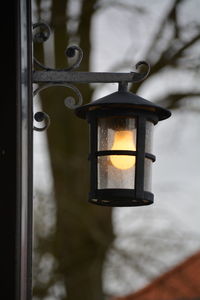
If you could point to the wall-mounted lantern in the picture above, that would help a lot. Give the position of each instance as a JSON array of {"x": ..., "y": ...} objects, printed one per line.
[{"x": 121, "y": 127}]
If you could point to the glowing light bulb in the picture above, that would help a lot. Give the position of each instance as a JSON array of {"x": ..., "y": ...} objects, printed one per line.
[{"x": 123, "y": 140}]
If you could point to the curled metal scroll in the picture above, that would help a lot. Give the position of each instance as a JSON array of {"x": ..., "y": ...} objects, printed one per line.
[
  {"x": 43, "y": 35},
  {"x": 41, "y": 116},
  {"x": 70, "y": 102},
  {"x": 143, "y": 75}
]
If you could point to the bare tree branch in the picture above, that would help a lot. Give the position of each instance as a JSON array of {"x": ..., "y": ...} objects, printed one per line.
[
  {"x": 173, "y": 100},
  {"x": 185, "y": 47},
  {"x": 120, "y": 5},
  {"x": 171, "y": 15}
]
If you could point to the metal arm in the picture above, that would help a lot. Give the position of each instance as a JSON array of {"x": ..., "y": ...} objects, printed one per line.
[{"x": 56, "y": 76}]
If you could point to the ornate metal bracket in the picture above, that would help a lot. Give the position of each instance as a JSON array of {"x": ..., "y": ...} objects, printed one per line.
[{"x": 49, "y": 77}]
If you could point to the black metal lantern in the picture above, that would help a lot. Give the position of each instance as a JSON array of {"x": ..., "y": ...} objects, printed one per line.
[{"x": 121, "y": 127}]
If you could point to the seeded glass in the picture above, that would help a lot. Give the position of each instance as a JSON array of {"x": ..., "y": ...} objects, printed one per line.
[
  {"x": 148, "y": 162},
  {"x": 116, "y": 171},
  {"x": 149, "y": 137},
  {"x": 147, "y": 175}
]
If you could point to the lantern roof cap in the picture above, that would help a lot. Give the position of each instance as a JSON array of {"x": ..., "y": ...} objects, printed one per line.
[{"x": 123, "y": 99}]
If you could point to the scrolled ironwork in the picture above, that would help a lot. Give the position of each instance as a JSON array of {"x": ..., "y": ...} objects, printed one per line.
[
  {"x": 64, "y": 77},
  {"x": 70, "y": 52},
  {"x": 41, "y": 116},
  {"x": 41, "y": 36},
  {"x": 70, "y": 102},
  {"x": 145, "y": 74}
]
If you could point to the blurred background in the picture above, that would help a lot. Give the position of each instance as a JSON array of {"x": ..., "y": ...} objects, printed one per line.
[{"x": 82, "y": 251}]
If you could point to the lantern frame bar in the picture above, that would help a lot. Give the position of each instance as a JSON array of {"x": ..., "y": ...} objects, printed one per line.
[
  {"x": 140, "y": 146},
  {"x": 92, "y": 157},
  {"x": 124, "y": 152}
]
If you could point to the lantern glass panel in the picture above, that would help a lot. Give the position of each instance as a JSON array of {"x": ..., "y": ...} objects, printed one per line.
[
  {"x": 148, "y": 175},
  {"x": 149, "y": 137},
  {"x": 110, "y": 177},
  {"x": 117, "y": 133},
  {"x": 116, "y": 171}
]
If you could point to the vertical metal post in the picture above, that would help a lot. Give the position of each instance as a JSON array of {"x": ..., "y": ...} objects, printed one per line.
[
  {"x": 16, "y": 151},
  {"x": 25, "y": 150}
]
